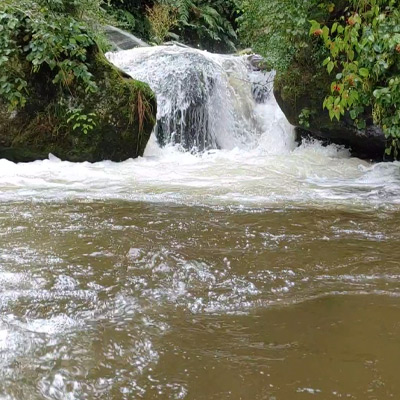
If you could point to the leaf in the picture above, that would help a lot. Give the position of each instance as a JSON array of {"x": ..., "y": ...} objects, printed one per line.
[
  {"x": 315, "y": 25},
  {"x": 325, "y": 33},
  {"x": 364, "y": 72},
  {"x": 326, "y": 61},
  {"x": 330, "y": 66}
]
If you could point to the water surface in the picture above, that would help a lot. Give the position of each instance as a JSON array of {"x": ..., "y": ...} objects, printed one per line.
[{"x": 230, "y": 275}]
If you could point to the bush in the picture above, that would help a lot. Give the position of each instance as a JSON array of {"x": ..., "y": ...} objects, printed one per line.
[
  {"x": 162, "y": 19},
  {"x": 278, "y": 29},
  {"x": 364, "y": 46},
  {"x": 208, "y": 24},
  {"x": 52, "y": 34}
]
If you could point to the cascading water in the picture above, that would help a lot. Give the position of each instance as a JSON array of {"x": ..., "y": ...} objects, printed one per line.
[{"x": 207, "y": 101}]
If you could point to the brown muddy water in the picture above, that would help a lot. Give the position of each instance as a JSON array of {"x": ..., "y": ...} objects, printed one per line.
[
  {"x": 223, "y": 276},
  {"x": 137, "y": 300}
]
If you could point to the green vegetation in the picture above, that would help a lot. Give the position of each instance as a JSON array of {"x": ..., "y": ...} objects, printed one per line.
[
  {"x": 344, "y": 51},
  {"x": 364, "y": 46},
  {"x": 162, "y": 18},
  {"x": 130, "y": 15},
  {"x": 45, "y": 34},
  {"x": 208, "y": 24},
  {"x": 58, "y": 93},
  {"x": 278, "y": 29}
]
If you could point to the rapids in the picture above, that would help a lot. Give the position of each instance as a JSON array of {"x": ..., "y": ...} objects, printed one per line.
[
  {"x": 307, "y": 176},
  {"x": 252, "y": 270}
]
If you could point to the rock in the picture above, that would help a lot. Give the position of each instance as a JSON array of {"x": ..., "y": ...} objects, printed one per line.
[
  {"x": 305, "y": 86},
  {"x": 258, "y": 63},
  {"x": 185, "y": 103},
  {"x": 123, "y": 40},
  {"x": 124, "y": 112}
]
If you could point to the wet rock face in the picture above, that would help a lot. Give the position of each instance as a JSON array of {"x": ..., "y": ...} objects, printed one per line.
[
  {"x": 368, "y": 144},
  {"x": 258, "y": 63},
  {"x": 189, "y": 125},
  {"x": 124, "y": 113},
  {"x": 305, "y": 88},
  {"x": 123, "y": 40}
]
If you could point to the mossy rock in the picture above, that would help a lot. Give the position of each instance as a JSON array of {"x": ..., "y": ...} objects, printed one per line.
[
  {"x": 123, "y": 110},
  {"x": 304, "y": 86},
  {"x": 301, "y": 88}
]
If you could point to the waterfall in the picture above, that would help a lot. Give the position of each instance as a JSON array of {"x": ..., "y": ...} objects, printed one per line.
[
  {"x": 208, "y": 101},
  {"x": 122, "y": 40}
]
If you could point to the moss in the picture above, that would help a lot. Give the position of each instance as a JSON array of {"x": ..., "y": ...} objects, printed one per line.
[{"x": 124, "y": 112}]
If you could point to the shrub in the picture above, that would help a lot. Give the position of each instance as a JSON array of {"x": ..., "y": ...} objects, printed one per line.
[
  {"x": 52, "y": 34},
  {"x": 162, "y": 18},
  {"x": 278, "y": 29},
  {"x": 364, "y": 46}
]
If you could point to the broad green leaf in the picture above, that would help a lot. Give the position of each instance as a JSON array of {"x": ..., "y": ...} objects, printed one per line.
[{"x": 330, "y": 66}]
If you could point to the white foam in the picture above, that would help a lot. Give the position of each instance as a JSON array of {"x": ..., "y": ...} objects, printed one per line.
[
  {"x": 4, "y": 334},
  {"x": 309, "y": 175}
]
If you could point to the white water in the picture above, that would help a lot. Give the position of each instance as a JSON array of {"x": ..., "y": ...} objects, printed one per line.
[
  {"x": 258, "y": 165},
  {"x": 204, "y": 100},
  {"x": 310, "y": 175}
]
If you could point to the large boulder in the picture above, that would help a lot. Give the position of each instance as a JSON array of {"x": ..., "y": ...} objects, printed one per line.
[
  {"x": 304, "y": 88},
  {"x": 306, "y": 83},
  {"x": 123, "y": 112}
]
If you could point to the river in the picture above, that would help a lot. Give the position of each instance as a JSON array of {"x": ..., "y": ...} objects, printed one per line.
[
  {"x": 227, "y": 275},
  {"x": 262, "y": 273}
]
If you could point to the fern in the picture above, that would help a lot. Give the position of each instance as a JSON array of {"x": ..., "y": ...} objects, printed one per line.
[
  {"x": 209, "y": 24},
  {"x": 206, "y": 22}
]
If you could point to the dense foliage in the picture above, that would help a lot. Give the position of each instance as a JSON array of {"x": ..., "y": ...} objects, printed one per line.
[
  {"x": 356, "y": 41},
  {"x": 364, "y": 46},
  {"x": 57, "y": 35},
  {"x": 209, "y": 24},
  {"x": 206, "y": 23},
  {"x": 278, "y": 29},
  {"x": 52, "y": 34},
  {"x": 130, "y": 15},
  {"x": 162, "y": 18}
]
